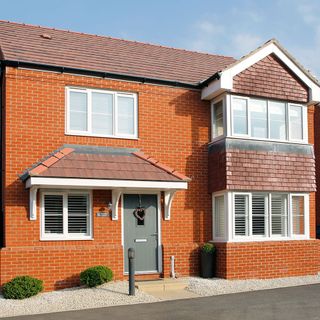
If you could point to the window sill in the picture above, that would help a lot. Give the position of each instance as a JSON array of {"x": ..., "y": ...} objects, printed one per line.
[
  {"x": 67, "y": 239},
  {"x": 262, "y": 239},
  {"x": 83, "y": 134}
]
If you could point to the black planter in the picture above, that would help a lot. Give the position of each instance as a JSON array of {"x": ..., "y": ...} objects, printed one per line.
[{"x": 207, "y": 264}]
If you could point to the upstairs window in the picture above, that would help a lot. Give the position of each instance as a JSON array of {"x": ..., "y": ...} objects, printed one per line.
[
  {"x": 268, "y": 119},
  {"x": 101, "y": 113},
  {"x": 217, "y": 119}
]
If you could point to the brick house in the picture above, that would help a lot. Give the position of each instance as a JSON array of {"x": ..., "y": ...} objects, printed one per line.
[{"x": 108, "y": 144}]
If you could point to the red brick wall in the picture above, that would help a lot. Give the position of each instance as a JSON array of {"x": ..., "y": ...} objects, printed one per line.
[
  {"x": 173, "y": 127},
  {"x": 270, "y": 78},
  {"x": 263, "y": 260}
]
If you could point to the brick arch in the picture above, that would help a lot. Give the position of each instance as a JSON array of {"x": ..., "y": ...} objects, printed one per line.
[{"x": 270, "y": 78}]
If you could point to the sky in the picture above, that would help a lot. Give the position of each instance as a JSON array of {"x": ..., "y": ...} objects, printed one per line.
[{"x": 226, "y": 27}]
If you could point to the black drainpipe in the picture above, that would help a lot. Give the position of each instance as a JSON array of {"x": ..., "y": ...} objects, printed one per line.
[{"x": 2, "y": 150}]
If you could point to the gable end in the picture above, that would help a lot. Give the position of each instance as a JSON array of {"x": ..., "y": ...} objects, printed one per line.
[{"x": 270, "y": 78}]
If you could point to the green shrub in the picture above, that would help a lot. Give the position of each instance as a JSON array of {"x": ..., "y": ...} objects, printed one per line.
[
  {"x": 96, "y": 276},
  {"x": 208, "y": 248},
  {"x": 22, "y": 287}
]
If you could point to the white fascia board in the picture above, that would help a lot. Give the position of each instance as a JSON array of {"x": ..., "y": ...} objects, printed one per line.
[
  {"x": 103, "y": 184},
  {"x": 225, "y": 82}
]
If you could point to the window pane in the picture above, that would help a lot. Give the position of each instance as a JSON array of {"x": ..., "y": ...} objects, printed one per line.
[
  {"x": 241, "y": 214},
  {"x": 258, "y": 118},
  {"x": 53, "y": 214},
  {"x": 218, "y": 119},
  {"x": 279, "y": 218},
  {"x": 278, "y": 128},
  {"x": 240, "y": 116},
  {"x": 219, "y": 217},
  {"x": 296, "y": 124},
  {"x": 258, "y": 214},
  {"x": 102, "y": 113},
  {"x": 298, "y": 215},
  {"x": 78, "y": 111},
  {"x": 126, "y": 115},
  {"x": 78, "y": 214}
]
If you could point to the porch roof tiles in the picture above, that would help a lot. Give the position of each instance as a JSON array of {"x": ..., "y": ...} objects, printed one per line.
[{"x": 102, "y": 163}]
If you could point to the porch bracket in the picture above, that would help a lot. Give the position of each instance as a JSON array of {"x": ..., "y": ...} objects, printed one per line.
[
  {"x": 168, "y": 197},
  {"x": 33, "y": 203},
  {"x": 115, "y": 203}
]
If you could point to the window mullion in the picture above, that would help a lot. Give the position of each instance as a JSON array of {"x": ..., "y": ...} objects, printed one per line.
[
  {"x": 249, "y": 215},
  {"x": 115, "y": 114},
  {"x": 248, "y": 118},
  {"x": 289, "y": 216},
  {"x": 65, "y": 215},
  {"x": 89, "y": 116}
]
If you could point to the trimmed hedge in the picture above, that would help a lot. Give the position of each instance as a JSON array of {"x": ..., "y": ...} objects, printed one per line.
[
  {"x": 22, "y": 287},
  {"x": 96, "y": 276}
]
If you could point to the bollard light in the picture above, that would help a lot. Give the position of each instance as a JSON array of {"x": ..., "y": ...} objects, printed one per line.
[{"x": 131, "y": 256}]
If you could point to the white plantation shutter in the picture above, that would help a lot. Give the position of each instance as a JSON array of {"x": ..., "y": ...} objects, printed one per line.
[
  {"x": 78, "y": 214},
  {"x": 258, "y": 214},
  {"x": 219, "y": 217},
  {"x": 241, "y": 211},
  {"x": 53, "y": 214},
  {"x": 298, "y": 211},
  {"x": 66, "y": 215},
  {"x": 279, "y": 217}
]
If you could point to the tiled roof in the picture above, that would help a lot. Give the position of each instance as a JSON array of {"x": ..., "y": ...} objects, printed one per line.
[
  {"x": 102, "y": 163},
  {"x": 33, "y": 44}
]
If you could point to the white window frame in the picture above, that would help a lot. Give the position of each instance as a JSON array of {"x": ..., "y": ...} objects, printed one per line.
[
  {"x": 224, "y": 113},
  {"x": 304, "y": 108},
  {"x": 65, "y": 235},
  {"x": 89, "y": 132},
  {"x": 225, "y": 231},
  {"x": 230, "y": 218}
]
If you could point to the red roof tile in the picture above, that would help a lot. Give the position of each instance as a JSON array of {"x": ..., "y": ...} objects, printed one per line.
[
  {"x": 78, "y": 163},
  {"x": 26, "y": 43}
]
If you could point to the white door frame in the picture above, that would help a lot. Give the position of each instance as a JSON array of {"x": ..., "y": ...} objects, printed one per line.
[{"x": 159, "y": 247}]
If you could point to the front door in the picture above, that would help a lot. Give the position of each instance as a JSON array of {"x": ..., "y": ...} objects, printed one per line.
[{"x": 140, "y": 226}]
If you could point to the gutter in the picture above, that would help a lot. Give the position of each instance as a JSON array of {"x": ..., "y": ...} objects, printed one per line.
[
  {"x": 95, "y": 73},
  {"x": 2, "y": 153}
]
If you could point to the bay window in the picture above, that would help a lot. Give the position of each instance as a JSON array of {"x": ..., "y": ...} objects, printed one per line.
[
  {"x": 251, "y": 216},
  {"x": 101, "y": 113},
  {"x": 267, "y": 119}
]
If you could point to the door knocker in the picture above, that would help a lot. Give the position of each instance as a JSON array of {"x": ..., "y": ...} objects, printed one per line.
[{"x": 139, "y": 212}]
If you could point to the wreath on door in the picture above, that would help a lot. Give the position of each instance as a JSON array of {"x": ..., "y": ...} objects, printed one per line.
[{"x": 139, "y": 212}]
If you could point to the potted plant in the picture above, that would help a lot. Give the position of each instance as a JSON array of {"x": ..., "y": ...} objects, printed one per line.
[{"x": 207, "y": 259}]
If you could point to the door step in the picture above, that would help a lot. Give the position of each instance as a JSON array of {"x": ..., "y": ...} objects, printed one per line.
[{"x": 162, "y": 285}]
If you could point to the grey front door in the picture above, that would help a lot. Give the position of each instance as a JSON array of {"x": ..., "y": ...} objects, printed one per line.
[{"x": 141, "y": 231}]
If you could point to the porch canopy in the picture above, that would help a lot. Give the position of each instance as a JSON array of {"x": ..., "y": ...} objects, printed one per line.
[{"x": 116, "y": 169}]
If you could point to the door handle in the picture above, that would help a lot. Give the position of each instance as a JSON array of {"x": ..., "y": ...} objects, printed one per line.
[{"x": 154, "y": 234}]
